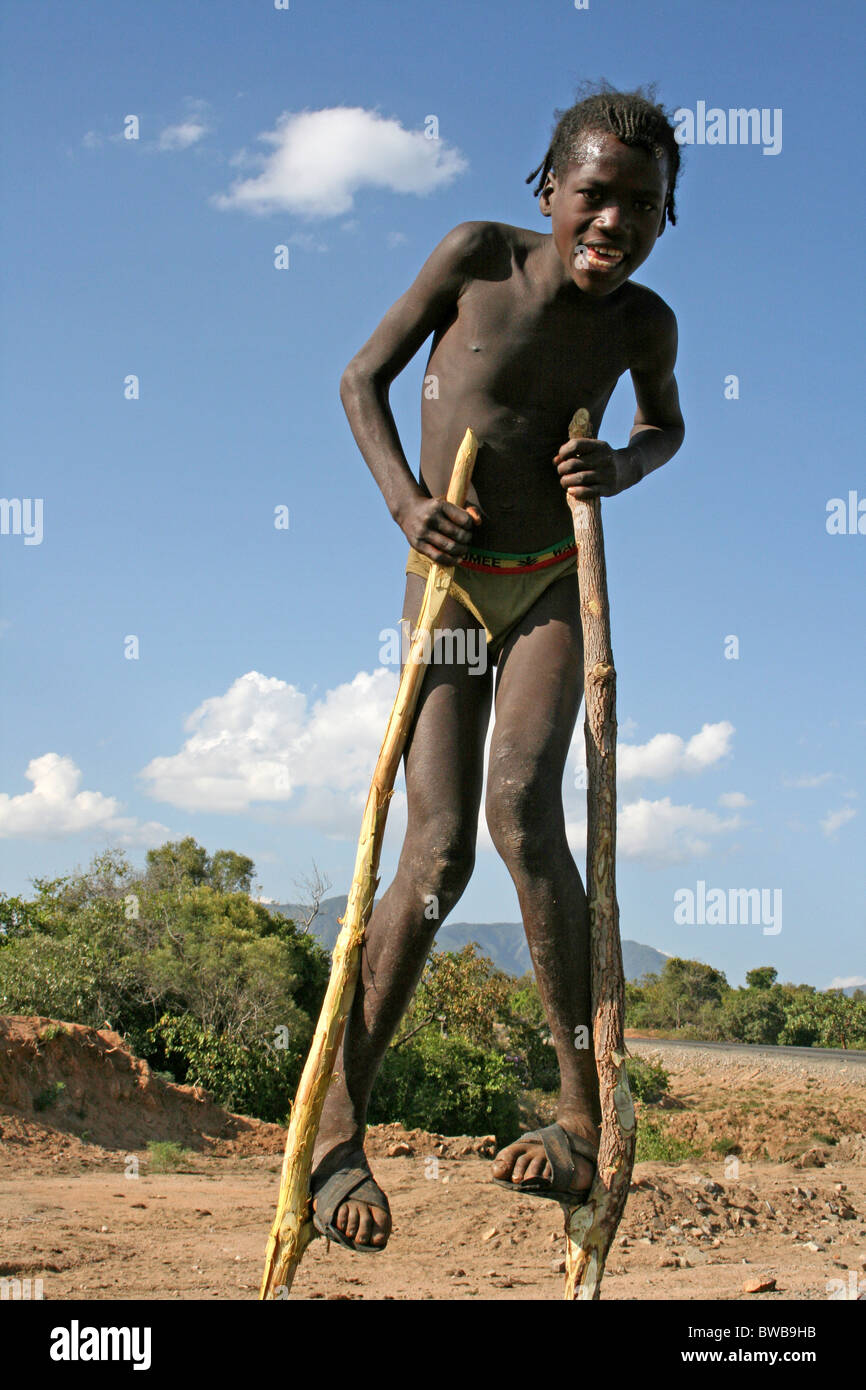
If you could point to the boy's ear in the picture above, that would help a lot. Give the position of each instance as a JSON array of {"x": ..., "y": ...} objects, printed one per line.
[{"x": 545, "y": 195}]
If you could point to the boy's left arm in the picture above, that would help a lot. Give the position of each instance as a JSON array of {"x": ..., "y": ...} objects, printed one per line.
[{"x": 590, "y": 467}]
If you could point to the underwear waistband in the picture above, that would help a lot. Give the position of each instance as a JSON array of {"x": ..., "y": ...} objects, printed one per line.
[{"x": 524, "y": 562}]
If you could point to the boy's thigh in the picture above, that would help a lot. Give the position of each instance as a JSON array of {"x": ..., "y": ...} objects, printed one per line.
[
  {"x": 444, "y": 756},
  {"x": 539, "y": 684}
]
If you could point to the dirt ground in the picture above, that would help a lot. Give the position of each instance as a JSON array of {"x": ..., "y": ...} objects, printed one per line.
[{"x": 88, "y": 1217}]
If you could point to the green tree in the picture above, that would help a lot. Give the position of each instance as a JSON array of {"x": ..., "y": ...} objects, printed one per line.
[
  {"x": 178, "y": 865},
  {"x": 826, "y": 1019},
  {"x": 205, "y": 983},
  {"x": 763, "y": 977},
  {"x": 461, "y": 991},
  {"x": 230, "y": 872},
  {"x": 686, "y": 995},
  {"x": 756, "y": 1014}
]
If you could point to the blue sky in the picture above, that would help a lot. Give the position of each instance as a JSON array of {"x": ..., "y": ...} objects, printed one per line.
[{"x": 252, "y": 713}]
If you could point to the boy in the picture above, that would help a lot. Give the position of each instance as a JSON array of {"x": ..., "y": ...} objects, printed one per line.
[{"x": 526, "y": 328}]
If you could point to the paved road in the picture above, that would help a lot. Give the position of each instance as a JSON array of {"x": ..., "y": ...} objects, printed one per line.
[{"x": 810, "y": 1054}]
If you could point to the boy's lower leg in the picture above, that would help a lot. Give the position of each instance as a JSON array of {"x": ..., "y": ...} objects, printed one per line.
[
  {"x": 444, "y": 769},
  {"x": 555, "y": 915},
  {"x": 538, "y": 695}
]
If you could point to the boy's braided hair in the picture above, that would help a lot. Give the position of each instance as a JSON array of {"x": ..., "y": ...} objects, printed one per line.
[{"x": 633, "y": 117}]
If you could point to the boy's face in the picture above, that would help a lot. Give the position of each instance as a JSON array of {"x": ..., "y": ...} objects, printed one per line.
[{"x": 607, "y": 211}]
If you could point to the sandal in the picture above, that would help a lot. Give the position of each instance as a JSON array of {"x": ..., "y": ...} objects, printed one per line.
[
  {"x": 559, "y": 1147},
  {"x": 330, "y": 1195}
]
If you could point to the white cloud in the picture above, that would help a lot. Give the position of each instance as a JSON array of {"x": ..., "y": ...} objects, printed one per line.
[
  {"x": 260, "y": 742},
  {"x": 667, "y": 755},
  {"x": 734, "y": 801},
  {"x": 188, "y": 132},
  {"x": 659, "y": 832},
  {"x": 180, "y": 137},
  {"x": 319, "y": 160},
  {"x": 834, "y": 820},
  {"x": 848, "y": 982},
  {"x": 55, "y": 807},
  {"x": 306, "y": 241},
  {"x": 263, "y": 741},
  {"x": 817, "y": 781}
]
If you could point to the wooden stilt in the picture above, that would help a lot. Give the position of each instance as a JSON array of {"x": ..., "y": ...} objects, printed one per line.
[
  {"x": 590, "y": 1229},
  {"x": 293, "y": 1229}
]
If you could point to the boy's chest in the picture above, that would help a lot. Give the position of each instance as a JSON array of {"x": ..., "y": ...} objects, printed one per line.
[{"x": 504, "y": 340}]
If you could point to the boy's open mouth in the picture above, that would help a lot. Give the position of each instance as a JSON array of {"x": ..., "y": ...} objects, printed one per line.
[{"x": 598, "y": 257}]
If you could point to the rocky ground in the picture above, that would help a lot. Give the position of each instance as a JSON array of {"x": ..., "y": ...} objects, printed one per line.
[{"x": 82, "y": 1209}]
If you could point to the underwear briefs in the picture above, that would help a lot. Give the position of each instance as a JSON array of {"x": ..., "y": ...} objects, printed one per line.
[{"x": 498, "y": 589}]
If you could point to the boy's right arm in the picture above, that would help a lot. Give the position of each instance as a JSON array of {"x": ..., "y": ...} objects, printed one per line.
[{"x": 436, "y": 528}]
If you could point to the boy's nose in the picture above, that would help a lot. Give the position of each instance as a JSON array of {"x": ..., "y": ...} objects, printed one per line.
[{"x": 612, "y": 215}]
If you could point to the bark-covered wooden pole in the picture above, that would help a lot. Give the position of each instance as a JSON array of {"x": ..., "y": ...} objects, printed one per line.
[
  {"x": 293, "y": 1229},
  {"x": 590, "y": 1229}
]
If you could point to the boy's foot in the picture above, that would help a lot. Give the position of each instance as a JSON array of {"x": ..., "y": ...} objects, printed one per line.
[
  {"x": 552, "y": 1162},
  {"x": 348, "y": 1205}
]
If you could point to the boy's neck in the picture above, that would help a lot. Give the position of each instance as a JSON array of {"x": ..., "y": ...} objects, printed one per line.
[{"x": 556, "y": 284}]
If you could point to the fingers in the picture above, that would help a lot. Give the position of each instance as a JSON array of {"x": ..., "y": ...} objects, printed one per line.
[
  {"x": 454, "y": 520},
  {"x": 440, "y": 550},
  {"x": 583, "y": 486},
  {"x": 580, "y": 448},
  {"x": 587, "y": 487},
  {"x": 447, "y": 532},
  {"x": 587, "y": 469}
]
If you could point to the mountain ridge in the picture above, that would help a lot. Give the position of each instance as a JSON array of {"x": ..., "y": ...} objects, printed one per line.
[{"x": 503, "y": 942}]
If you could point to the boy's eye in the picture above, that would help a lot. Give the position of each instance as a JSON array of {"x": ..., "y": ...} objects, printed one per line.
[{"x": 648, "y": 206}]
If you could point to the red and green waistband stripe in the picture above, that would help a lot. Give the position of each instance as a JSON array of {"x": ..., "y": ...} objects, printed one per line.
[{"x": 523, "y": 562}]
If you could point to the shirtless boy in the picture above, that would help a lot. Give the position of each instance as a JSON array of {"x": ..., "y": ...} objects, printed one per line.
[{"x": 526, "y": 328}]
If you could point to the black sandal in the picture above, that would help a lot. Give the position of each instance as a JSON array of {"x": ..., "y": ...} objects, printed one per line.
[
  {"x": 357, "y": 1183},
  {"x": 560, "y": 1147}
]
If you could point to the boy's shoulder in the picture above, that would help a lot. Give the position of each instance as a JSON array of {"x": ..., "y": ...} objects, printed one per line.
[
  {"x": 483, "y": 246},
  {"x": 652, "y": 324},
  {"x": 649, "y": 304}
]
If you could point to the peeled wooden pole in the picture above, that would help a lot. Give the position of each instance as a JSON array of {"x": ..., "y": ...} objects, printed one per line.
[
  {"x": 590, "y": 1229},
  {"x": 293, "y": 1229}
]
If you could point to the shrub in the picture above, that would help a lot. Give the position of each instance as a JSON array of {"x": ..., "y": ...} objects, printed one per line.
[
  {"x": 648, "y": 1081},
  {"x": 250, "y": 1078},
  {"x": 165, "y": 1156},
  {"x": 656, "y": 1145},
  {"x": 49, "y": 1096},
  {"x": 446, "y": 1085},
  {"x": 529, "y": 1038}
]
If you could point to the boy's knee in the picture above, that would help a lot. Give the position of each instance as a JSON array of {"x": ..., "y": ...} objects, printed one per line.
[
  {"x": 521, "y": 821},
  {"x": 442, "y": 858}
]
